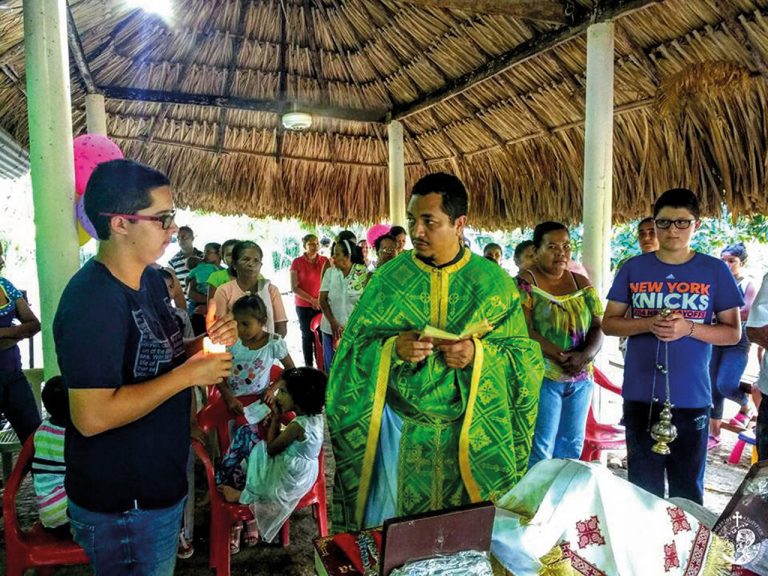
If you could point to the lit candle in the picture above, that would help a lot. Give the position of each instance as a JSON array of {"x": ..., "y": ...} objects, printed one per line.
[{"x": 211, "y": 348}]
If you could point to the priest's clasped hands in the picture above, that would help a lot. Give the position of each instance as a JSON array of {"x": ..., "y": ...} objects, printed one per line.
[{"x": 411, "y": 348}]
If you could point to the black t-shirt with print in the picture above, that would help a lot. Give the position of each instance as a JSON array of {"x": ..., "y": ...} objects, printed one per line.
[{"x": 108, "y": 335}]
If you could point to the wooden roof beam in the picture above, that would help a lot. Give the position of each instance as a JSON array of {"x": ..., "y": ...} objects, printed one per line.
[
  {"x": 523, "y": 52},
  {"x": 78, "y": 54},
  {"x": 542, "y": 10},
  {"x": 250, "y": 104},
  {"x": 735, "y": 22},
  {"x": 14, "y": 79},
  {"x": 282, "y": 79},
  {"x": 231, "y": 67}
]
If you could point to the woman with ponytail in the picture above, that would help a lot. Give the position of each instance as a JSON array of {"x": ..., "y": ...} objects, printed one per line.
[{"x": 341, "y": 287}]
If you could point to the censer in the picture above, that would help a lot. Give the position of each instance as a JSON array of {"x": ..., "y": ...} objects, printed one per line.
[{"x": 663, "y": 431}]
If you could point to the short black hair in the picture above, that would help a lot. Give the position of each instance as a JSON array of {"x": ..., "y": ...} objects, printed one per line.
[
  {"x": 738, "y": 250},
  {"x": 522, "y": 247},
  {"x": 55, "y": 398},
  {"x": 119, "y": 187},
  {"x": 238, "y": 250},
  {"x": 251, "y": 304},
  {"x": 452, "y": 190},
  {"x": 380, "y": 239},
  {"x": 228, "y": 243},
  {"x": 185, "y": 229},
  {"x": 351, "y": 249},
  {"x": 306, "y": 238},
  {"x": 192, "y": 261},
  {"x": 644, "y": 221},
  {"x": 545, "y": 228},
  {"x": 346, "y": 235},
  {"x": 165, "y": 274},
  {"x": 395, "y": 231},
  {"x": 491, "y": 246},
  {"x": 678, "y": 198},
  {"x": 213, "y": 246},
  {"x": 307, "y": 388}
]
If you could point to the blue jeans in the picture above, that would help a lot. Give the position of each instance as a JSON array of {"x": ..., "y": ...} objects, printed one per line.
[
  {"x": 725, "y": 370},
  {"x": 684, "y": 466},
  {"x": 18, "y": 403},
  {"x": 131, "y": 543},
  {"x": 563, "y": 408},
  {"x": 328, "y": 351}
]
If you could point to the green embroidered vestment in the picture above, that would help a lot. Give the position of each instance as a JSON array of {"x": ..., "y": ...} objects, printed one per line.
[{"x": 466, "y": 433}]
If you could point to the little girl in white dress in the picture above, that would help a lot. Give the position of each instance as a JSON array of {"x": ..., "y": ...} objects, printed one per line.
[{"x": 284, "y": 467}]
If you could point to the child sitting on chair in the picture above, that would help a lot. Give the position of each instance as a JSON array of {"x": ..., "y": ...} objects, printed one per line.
[
  {"x": 284, "y": 467},
  {"x": 48, "y": 462},
  {"x": 253, "y": 355}
]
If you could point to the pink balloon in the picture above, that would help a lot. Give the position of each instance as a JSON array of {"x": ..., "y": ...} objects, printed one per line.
[
  {"x": 375, "y": 231},
  {"x": 82, "y": 217},
  {"x": 90, "y": 151}
]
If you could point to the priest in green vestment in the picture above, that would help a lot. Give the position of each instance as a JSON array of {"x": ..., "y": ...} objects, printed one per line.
[{"x": 420, "y": 424}]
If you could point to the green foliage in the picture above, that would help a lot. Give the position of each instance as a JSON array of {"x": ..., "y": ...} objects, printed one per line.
[{"x": 713, "y": 235}]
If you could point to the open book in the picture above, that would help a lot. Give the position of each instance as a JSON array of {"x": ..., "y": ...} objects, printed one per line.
[{"x": 474, "y": 330}]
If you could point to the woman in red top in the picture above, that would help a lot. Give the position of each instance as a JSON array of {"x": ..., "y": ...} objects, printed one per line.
[{"x": 306, "y": 272}]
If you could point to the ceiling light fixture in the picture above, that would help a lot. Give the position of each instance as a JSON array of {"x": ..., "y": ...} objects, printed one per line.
[
  {"x": 297, "y": 120},
  {"x": 162, "y": 8}
]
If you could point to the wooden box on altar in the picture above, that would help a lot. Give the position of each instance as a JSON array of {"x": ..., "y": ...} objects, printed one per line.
[
  {"x": 330, "y": 560},
  {"x": 415, "y": 538}
]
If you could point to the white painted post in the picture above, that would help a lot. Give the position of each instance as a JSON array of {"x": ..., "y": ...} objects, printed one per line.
[
  {"x": 598, "y": 164},
  {"x": 51, "y": 157},
  {"x": 95, "y": 114},
  {"x": 598, "y": 155},
  {"x": 396, "y": 174}
]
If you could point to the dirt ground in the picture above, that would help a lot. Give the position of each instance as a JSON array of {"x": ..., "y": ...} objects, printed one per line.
[
  {"x": 721, "y": 481},
  {"x": 262, "y": 560}
]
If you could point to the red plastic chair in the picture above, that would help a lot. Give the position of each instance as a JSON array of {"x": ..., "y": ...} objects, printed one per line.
[
  {"x": 224, "y": 515},
  {"x": 315, "y": 327},
  {"x": 36, "y": 548},
  {"x": 598, "y": 436}
]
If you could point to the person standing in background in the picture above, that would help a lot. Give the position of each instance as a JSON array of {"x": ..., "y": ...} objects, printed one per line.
[
  {"x": 306, "y": 271},
  {"x": 178, "y": 262}
]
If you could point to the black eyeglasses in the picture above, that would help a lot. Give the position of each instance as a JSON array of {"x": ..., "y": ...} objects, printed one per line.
[
  {"x": 680, "y": 224},
  {"x": 166, "y": 220}
]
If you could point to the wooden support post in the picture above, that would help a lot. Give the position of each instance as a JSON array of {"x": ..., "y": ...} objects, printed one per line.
[
  {"x": 396, "y": 174},
  {"x": 598, "y": 155},
  {"x": 50, "y": 152},
  {"x": 95, "y": 114}
]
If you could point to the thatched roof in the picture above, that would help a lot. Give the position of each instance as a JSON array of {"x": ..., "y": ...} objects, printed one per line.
[{"x": 494, "y": 93}]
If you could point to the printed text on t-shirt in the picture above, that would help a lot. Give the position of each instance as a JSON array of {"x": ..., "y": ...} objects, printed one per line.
[{"x": 690, "y": 298}]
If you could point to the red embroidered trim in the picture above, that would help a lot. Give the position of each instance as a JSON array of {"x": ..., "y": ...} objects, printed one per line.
[
  {"x": 698, "y": 552},
  {"x": 671, "y": 560},
  {"x": 678, "y": 519},
  {"x": 579, "y": 564},
  {"x": 589, "y": 532}
]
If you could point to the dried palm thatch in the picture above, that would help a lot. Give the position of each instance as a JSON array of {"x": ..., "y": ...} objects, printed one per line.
[
  {"x": 700, "y": 81},
  {"x": 496, "y": 97}
]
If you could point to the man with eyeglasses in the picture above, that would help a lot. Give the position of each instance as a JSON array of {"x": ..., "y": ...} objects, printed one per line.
[
  {"x": 129, "y": 375},
  {"x": 674, "y": 296},
  {"x": 386, "y": 249}
]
